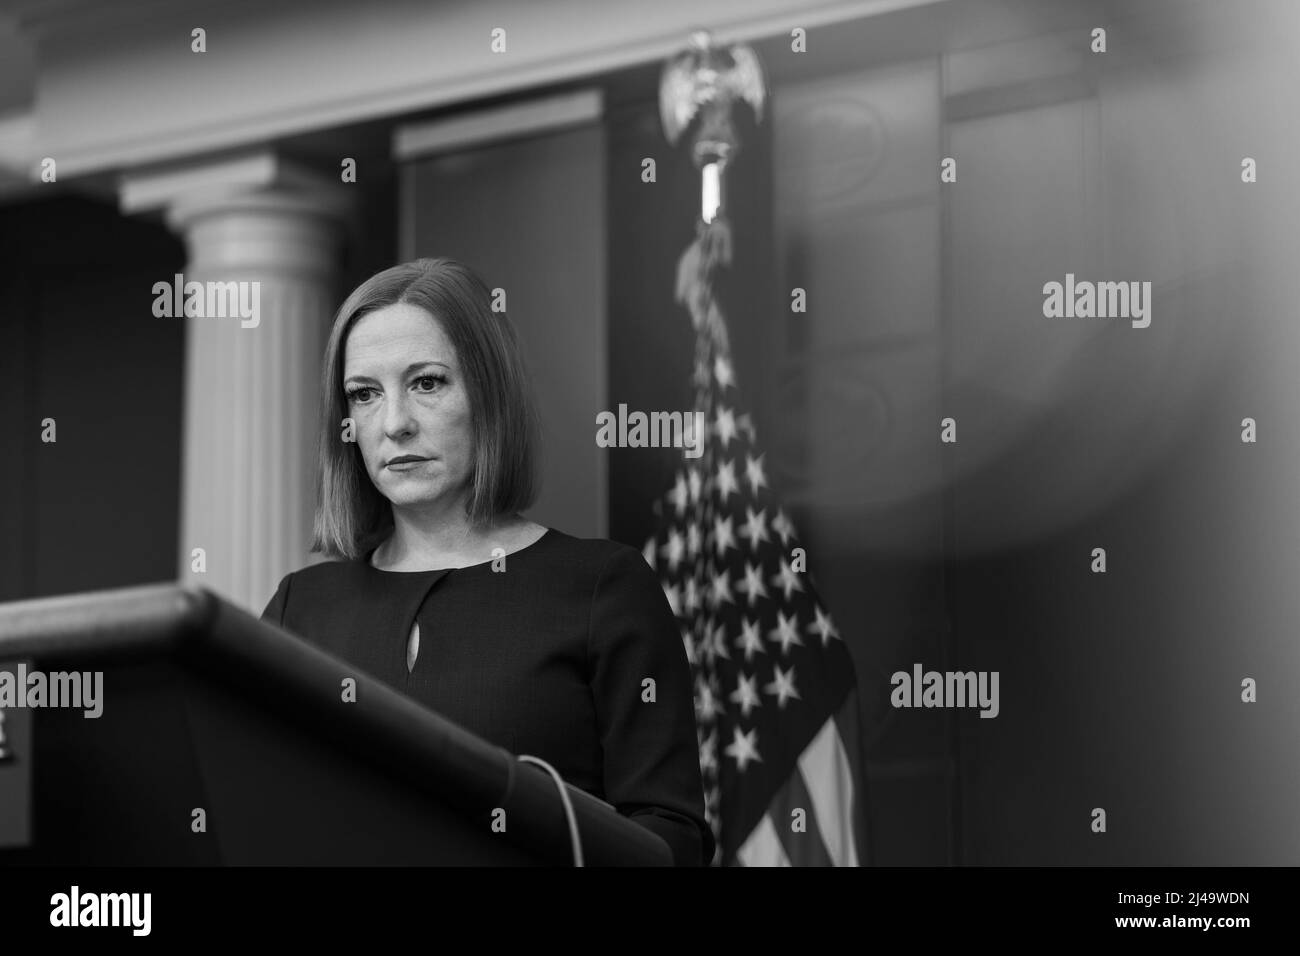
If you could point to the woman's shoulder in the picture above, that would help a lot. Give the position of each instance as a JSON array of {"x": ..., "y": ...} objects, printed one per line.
[
  {"x": 315, "y": 584},
  {"x": 583, "y": 565},
  {"x": 596, "y": 555},
  {"x": 325, "y": 572}
]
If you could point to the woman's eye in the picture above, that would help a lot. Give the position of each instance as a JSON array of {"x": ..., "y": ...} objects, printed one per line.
[{"x": 427, "y": 384}]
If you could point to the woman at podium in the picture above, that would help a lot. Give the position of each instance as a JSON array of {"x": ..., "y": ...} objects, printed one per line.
[{"x": 537, "y": 641}]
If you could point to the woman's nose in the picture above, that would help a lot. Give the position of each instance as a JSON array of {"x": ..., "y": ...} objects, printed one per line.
[{"x": 397, "y": 417}]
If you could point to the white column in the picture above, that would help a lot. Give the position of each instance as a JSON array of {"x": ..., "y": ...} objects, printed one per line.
[{"x": 250, "y": 416}]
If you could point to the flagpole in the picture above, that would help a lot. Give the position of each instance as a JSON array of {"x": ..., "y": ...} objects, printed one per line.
[{"x": 776, "y": 697}]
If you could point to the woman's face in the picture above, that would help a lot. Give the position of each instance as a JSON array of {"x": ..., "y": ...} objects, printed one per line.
[{"x": 406, "y": 394}]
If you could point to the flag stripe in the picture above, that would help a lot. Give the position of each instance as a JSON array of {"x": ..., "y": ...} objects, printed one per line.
[
  {"x": 848, "y": 721},
  {"x": 826, "y": 766},
  {"x": 763, "y": 847},
  {"x": 806, "y": 848}
]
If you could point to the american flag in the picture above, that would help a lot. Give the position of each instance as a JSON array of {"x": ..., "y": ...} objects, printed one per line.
[{"x": 775, "y": 692}]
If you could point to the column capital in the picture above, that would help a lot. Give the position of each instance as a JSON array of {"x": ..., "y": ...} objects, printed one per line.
[
  {"x": 247, "y": 214},
  {"x": 256, "y": 181}
]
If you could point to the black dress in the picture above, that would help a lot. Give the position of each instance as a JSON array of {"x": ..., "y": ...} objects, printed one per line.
[{"x": 546, "y": 657}]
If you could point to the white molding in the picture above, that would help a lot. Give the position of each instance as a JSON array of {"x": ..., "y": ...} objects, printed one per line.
[
  {"x": 155, "y": 188},
  {"x": 185, "y": 112},
  {"x": 414, "y": 140},
  {"x": 160, "y": 187}
]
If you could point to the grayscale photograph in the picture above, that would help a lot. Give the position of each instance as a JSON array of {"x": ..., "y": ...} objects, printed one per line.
[{"x": 729, "y": 433}]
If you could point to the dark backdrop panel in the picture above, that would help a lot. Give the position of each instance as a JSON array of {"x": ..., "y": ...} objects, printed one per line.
[
  {"x": 526, "y": 214},
  {"x": 98, "y": 508}
]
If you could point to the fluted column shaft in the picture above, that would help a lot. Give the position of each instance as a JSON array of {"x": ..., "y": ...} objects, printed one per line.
[{"x": 248, "y": 474}]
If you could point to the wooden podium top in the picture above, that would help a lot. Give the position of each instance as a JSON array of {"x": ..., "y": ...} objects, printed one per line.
[{"x": 246, "y": 718}]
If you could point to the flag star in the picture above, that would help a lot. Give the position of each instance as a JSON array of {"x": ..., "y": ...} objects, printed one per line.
[
  {"x": 723, "y": 372},
  {"x": 743, "y": 748},
  {"x": 823, "y": 627},
  {"x": 678, "y": 495},
  {"x": 782, "y": 526},
  {"x": 783, "y": 686},
  {"x": 755, "y": 528},
  {"x": 754, "y": 472},
  {"x": 726, "y": 480},
  {"x": 706, "y": 650},
  {"x": 753, "y": 585},
  {"x": 673, "y": 549},
  {"x": 786, "y": 632},
  {"x": 749, "y": 640},
  {"x": 691, "y": 599},
  {"x": 694, "y": 481},
  {"x": 674, "y": 598},
  {"x": 724, "y": 421},
  {"x": 719, "y": 642},
  {"x": 648, "y": 552},
  {"x": 706, "y": 704},
  {"x": 721, "y": 590},
  {"x": 787, "y": 580},
  {"x": 723, "y": 535},
  {"x": 694, "y": 540},
  {"x": 699, "y": 625},
  {"x": 746, "y": 694}
]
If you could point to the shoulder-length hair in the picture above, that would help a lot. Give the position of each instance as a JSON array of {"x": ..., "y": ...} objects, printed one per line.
[{"x": 351, "y": 515}]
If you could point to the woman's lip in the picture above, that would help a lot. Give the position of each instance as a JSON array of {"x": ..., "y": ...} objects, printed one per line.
[{"x": 397, "y": 463}]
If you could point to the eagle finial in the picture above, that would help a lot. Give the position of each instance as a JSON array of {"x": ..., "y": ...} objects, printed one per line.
[{"x": 708, "y": 78}]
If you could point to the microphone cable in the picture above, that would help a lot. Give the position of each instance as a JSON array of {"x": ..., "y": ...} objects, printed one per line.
[{"x": 568, "y": 805}]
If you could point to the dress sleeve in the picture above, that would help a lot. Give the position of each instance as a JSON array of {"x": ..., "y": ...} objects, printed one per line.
[
  {"x": 650, "y": 748},
  {"x": 274, "y": 611}
]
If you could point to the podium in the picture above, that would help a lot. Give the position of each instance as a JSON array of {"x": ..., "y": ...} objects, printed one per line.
[{"x": 224, "y": 740}]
